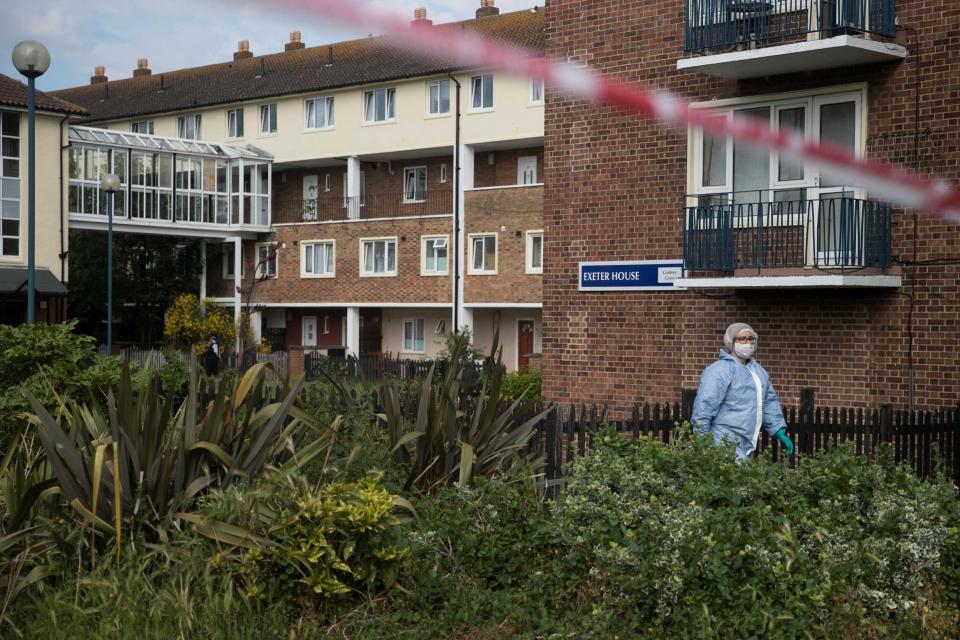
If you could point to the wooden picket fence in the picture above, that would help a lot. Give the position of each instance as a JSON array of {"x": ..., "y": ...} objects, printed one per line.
[
  {"x": 926, "y": 441},
  {"x": 156, "y": 358}
]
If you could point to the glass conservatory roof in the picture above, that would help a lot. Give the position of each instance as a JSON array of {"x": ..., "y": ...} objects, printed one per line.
[{"x": 159, "y": 143}]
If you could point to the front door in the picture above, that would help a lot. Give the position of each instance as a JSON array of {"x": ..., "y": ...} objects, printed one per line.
[
  {"x": 527, "y": 170},
  {"x": 524, "y": 343},
  {"x": 309, "y": 324}
]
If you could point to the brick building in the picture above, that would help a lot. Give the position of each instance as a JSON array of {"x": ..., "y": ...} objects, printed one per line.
[
  {"x": 852, "y": 299},
  {"x": 368, "y": 221}
]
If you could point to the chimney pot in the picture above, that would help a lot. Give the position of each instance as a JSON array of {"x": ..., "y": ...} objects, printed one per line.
[
  {"x": 329, "y": 56},
  {"x": 487, "y": 8},
  {"x": 143, "y": 68},
  {"x": 243, "y": 50},
  {"x": 295, "y": 42},
  {"x": 420, "y": 18},
  {"x": 98, "y": 76}
]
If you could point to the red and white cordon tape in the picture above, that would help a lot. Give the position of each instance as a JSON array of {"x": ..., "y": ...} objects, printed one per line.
[{"x": 898, "y": 185}]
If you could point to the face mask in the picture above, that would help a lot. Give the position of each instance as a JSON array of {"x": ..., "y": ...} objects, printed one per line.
[{"x": 745, "y": 350}]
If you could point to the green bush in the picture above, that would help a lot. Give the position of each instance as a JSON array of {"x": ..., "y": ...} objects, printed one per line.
[
  {"x": 685, "y": 542},
  {"x": 524, "y": 383}
]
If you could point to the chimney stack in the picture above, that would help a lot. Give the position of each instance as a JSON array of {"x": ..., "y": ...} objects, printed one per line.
[
  {"x": 243, "y": 50},
  {"x": 420, "y": 18},
  {"x": 98, "y": 76},
  {"x": 487, "y": 9},
  {"x": 142, "y": 68},
  {"x": 294, "y": 43}
]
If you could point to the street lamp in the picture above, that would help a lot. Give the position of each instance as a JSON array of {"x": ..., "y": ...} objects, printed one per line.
[
  {"x": 32, "y": 60},
  {"x": 109, "y": 184}
]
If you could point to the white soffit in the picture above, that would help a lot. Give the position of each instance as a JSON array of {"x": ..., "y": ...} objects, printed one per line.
[
  {"x": 791, "y": 282},
  {"x": 812, "y": 55}
]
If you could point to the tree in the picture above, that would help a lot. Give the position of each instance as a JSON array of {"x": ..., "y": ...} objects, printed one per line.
[
  {"x": 186, "y": 326},
  {"x": 149, "y": 272}
]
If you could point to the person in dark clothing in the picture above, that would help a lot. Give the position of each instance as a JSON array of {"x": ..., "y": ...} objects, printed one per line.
[{"x": 211, "y": 358}]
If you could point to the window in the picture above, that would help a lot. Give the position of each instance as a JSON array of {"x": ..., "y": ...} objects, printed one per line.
[
  {"x": 413, "y": 336},
  {"x": 144, "y": 126},
  {"x": 327, "y": 182},
  {"x": 527, "y": 170},
  {"x": 415, "y": 184},
  {"x": 534, "y": 251},
  {"x": 443, "y": 172},
  {"x": 326, "y": 324},
  {"x": 267, "y": 260},
  {"x": 483, "y": 254},
  {"x": 439, "y": 98},
  {"x": 189, "y": 127},
  {"x": 726, "y": 171},
  {"x": 318, "y": 113},
  {"x": 10, "y": 184},
  {"x": 378, "y": 257},
  {"x": 235, "y": 123},
  {"x": 435, "y": 252},
  {"x": 268, "y": 118},
  {"x": 228, "y": 261},
  {"x": 481, "y": 88},
  {"x": 536, "y": 91},
  {"x": 379, "y": 105},
  {"x": 318, "y": 259},
  {"x": 87, "y": 165},
  {"x": 151, "y": 195}
]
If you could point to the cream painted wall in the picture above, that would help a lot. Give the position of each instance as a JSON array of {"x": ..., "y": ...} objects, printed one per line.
[
  {"x": 393, "y": 330},
  {"x": 49, "y": 191},
  {"x": 486, "y": 321},
  {"x": 513, "y": 117}
]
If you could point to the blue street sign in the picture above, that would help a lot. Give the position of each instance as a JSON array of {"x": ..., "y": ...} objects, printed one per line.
[{"x": 635, "y": 275}]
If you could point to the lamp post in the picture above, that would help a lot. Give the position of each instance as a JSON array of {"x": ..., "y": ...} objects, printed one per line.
[
  {"x": 109, "y": 184},
  {"x": 32, "y": 60}
]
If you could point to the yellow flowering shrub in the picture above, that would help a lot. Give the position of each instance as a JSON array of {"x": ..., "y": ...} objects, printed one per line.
[{"x": 186, "y": 326}]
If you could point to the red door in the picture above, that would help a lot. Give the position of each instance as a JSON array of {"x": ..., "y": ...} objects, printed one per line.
[{"x": 524, "y": 343}]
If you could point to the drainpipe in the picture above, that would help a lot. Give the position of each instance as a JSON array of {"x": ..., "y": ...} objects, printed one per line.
[
  {"x": 63, "y": 252},
  {"x": 455, "y": 254}
]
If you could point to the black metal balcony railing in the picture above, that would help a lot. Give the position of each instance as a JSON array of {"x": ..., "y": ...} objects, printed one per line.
[
  {"x": 725, "y": 233},
  {"x": 720, "y": 25},
  {"x": 369, "y": 206}
]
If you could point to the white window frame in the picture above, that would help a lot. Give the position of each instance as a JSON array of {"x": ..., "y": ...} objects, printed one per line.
[
  {"x": 496, "y": 254},
  {"x": 426, "y": 184},
  {"x": 443, "y": 173},
  {"x": 303, "y": 258},
  {"x": 326, "y": 325},
  {"x": 12, "y": 192},
  {"x": 276, "y": 259},
  {"x": 481, "y": 108},
  {"x": 423, "y": 255},
  {"x": 536, "y": 170},
  {"x": 327, "y": 182},
  {"x": 264, "y": 112},
  {"x": 387, "y": 103},
  {"x": 396, "y": 257},
  {"x": 228, "y": 261},
  {"x": 149, "y": 124},
  {"x": 403, "y": 335},
  {"x": 182, "y": 126},
  {"x": 534, "y": 82},
  {"x": 530, "y": 235},
  {"x": 450, "y": 98},
  {"x": 328, "y": 105},
  {"x": 232, "y": 135}
]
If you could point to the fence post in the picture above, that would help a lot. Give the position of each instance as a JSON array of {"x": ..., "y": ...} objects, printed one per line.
[
  {"x": 886, "y": 423},
  {"x": 554, "y": 451},
  {"x": 687, "y": 397},
  {"x": 808, "y": 399}
]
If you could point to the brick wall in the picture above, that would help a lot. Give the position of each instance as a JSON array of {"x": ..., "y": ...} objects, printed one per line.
[
  {"x": 614, "y": 192},
  {"x": 510, "y": 213}
]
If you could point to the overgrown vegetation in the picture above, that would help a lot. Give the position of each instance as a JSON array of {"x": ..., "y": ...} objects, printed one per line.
[{"x": 249, "y": 508}]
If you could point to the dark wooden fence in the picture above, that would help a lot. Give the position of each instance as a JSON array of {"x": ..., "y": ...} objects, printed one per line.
[{"x": 928, "y": 441}]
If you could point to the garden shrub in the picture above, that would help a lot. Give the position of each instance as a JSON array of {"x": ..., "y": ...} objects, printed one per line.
[
  {"x": 517, "y": 383},
  {"x": 686, "y": 542}
]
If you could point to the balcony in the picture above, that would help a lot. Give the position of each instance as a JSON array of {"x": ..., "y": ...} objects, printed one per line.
[
  {"x": 753, "y": 38},
  {"x": 786, "y": 239},
  {"x": 369, "y": 206}
]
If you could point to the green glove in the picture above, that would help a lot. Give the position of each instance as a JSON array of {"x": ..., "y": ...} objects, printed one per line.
[{"x": 785, "y": 440}]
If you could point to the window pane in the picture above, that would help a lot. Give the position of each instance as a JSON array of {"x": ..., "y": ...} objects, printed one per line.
[
  {"x": 445, "y": 96},
  {"x": 838, "y": 126},
  {"x": 11, "y": 147},
  {"x": 11, "y": 168},
  {"x": 11, "y": 246},
  {"x": 477, "y": 92},
  {"x": 329, "y": 114},
  {"x": 536, "y": 260},
  {"x": 490, "y": 257},
  {"x": 328, "y": 258},
  {"x": 791, "y": 120},
  {"x": 434, "y": 97},
  {"x": 368, "y": 106},
  {"x": 11, "y": 124},
  {"x": 714, "y": 161},
  {"x": 478, "y": 254},
  {"x": 751, "y": 168},
  {"x": 10, "y": 188}
]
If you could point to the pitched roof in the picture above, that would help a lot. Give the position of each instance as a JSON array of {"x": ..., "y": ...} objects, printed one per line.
[
  {"x": 355, "y": 62},
  {"x": 14, "y": 94}
]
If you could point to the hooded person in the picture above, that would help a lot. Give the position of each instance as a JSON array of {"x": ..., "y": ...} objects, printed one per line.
[{"x": 736, "y": 398}]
